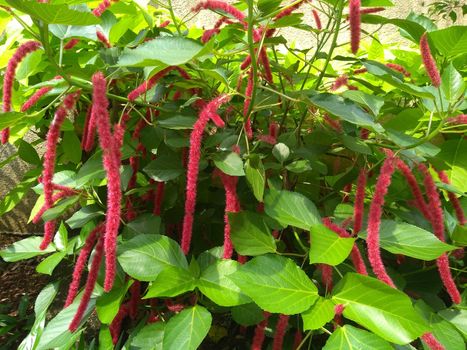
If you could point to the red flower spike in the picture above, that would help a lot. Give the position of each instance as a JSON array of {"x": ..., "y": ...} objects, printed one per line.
[
  {"x": 258, "y": 338},
  {"x": 317, "y": 19},
  {"x": 333, "y": 123},
  {"x": 432, "y": 342},
  {"x": 429, "y": 62},
  {"x": 111, "y": 160},
  {"x": 88, "y": 289},
  {"x": 158, "y": 198},
  {"x": 103, "y": 39},
  {"x": 288, "y": 10},
  {"x": 338, "y": 309},
  {"x": 364, "y": 134},
  {"x": 360, "y": 71},
  {"x": 71, "y": 44},
  {"x": 208, "y": 34},
  {"x": 398, "y": 68},
  {"x": 359, "y": 202},
  {"x": 89, "y": 131},
  {"x": 281, "y": 329},
  {"x": 81, "y": 263},
  {"x": 35, "y": 98},
  {"x": 355, "y": 24},
  {"x": 370, "y": 10},
  {"x": 460, "y": 119},
  {"x": 56, "y": 197},
  {"x": 193, "y": 165},
  {"x": 342, "y": 80},
  {"x": 144, "y": 87},
  {"x": 263, "y": 57},
  {"x": 216, "y": 5},
  {"x": 9, "y": 76},
  {"x": 232, "y": 205},
  {"x": 248, "y": 94},
  {"x": 326, "y": 276},
  {"x": 116, "y": 324},
  {"x": 246, "y": 63},
  {"x": 99, "y": 10},
  {"x": 297, "y": 339},
  {"x": 164, "y": 24},
  {"x": 374, "y": 221},
  {"x": 135, "y": 292},
  {"x": 453, "y": 199}
]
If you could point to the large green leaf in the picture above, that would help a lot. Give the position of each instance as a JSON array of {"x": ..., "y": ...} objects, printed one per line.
[
  {"x": 230, "y": 163},
  {"x": 170, "y": 282},
  {"x": 372, "y": 102},
  {"x": 48, "y": 265},
  {"x": 411, "y": 29},
  {"x": 326, "y": 247},
  {"x": 457, "y": 317},
  {"x": 169, "y": 50},
  {"x": 215, "y": 284},
  {"x": 150, "y": 337},
  {"x": 345, "y": 109},
  {"x": 276, "y": 284},
  {"x": 256, "y": 177},
  {"x": 319, "y": 314},
  {"x": 25, "y": 249},
  {"x": 385, "y": 311},
  {"x": 352, "y": 338},
  {"x": 291, "y": 208},
  {"x": 187, "y": 329},
  {"x": 410, "y": 240},
  {"x": 452, "y": 84},
  {"x": 450, "y": 41},
  {"x": 167, "y": 166},
  {"x": 145, "y": 256},
  {"x": 107, "y": 304},
  {"x": 247, "y": 314},
  {"x": 250, "y": 235},
  {"x": 57, "y": 14}
]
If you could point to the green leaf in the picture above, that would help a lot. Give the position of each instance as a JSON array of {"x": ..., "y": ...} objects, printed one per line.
[
  {"x": 170, "y": 282},
  {"x": 58, "y": 14},
  {"x": 247, "y": 314},
  {"x": 281, "y": 152},
  {"x": 318, "y": 315},
  {"x": 410, "y": 240},
  {"x": 28, "y": 153},
  {"x": 457, "y": 317},
  {"x": 372, "y": 102},
  {"x": 187, "y": 329},
  {"x": 167, "y": 166},
  {"x": 25, "y": 249},
  {"x": 177, "y": 122},
  {"x": 145, "y": 256},
  {"x": 230, "y": 163},
  {"x": 91, "y": 170},
  {"x": 276, "y": 284},
  {"x": 459, "y": 236},
  {"x": 454, "y": 154},
  {"x": 9, "y": 119},
  {"x": 71, "y": 147},
  {"x": 411, "y": 30},
  {"x": 356, "y": 144},
  {"x": 326, "y": 247},
  {"x": 451, "y": 41},
  {"x": 145, "y": 224},
  {"x": 169, "y": 50},
  {"x": 345, "y": 109},
  {"x": 291, "y": 208},
  {"x": 452, "y": 84},
  {"x": 84, "y": 215},
  {"x": 250, "y": 235},
  {"x": 48, "y": 265},
  {"x": 65, "y": 31},
  {"x": 373, "y": 3},
  {"x": 385, "y": 311},
  {"x": 352, "y": 338},
  {"x": 107, "y": 304},
  {"x": 15, "y": 195},
  {"x": 149, "y": 337},
  {"x": 255, "y": 176},
  {"x": 59, "y": 208},
  {"x": 215, "y": 284}
]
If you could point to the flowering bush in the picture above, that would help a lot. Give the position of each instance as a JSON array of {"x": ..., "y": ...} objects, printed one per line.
[{"x": 225, "y": 188}]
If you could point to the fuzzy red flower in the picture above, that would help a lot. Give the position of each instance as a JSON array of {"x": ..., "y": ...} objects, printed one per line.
[
  {"x": 281, "y": 328},
  {"x": 99, "y": 10},
  {"x": 164, "y": 24},
  {"x": 158, "y": 197},
  {"x": 232, "y": 205},
  {"x": 398, "y": 68},
  {"x": 103, "y": 39},
  {"x": 460, "y": 119},
  {"x": 355, "y": 24},
  {"x": 71, "y": 44},
  {"x": 258, "y": 338},
  {"x": 193, "y": 165},
  {"x": 216, "y": 5},
  {"x": 359, "y": 201},
  {"x": 342, "y": 80},
  {"x": 429, "y": 62},
  {"x": 432, "y": 342},
  {"x": 453, "y": 199},
  {"x": 263, "y": 57},
  {"x": 288, "y": 10},
  {"x": 367, "y": 11},
  {"x": 133, "y": 95},
  {"x": 248, "y": 94},
  {"x": 317, "y": 19},
  {"x": 116, "y": 324}
]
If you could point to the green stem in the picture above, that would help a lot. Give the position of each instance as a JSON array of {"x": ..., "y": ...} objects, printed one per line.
[
  {"x": 251, "y": 49},
  {"x": 174, "y": 18}
]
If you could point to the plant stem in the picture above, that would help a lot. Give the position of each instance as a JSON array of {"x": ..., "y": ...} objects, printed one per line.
[{"x": 251, "y": 49}]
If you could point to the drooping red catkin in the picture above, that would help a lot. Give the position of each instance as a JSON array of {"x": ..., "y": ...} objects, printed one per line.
[
  {"x": 281, "y": 329},
  {"x": 45, "y": 207},
  {"x": 71, "y": 44},
  {"x": 258, "y": 338},
  {"x": 35, "y": 97},
  {"x": 297, "y": 339},
  {"x": 99, "y": 10},
  {"x": 248, "y": 94},
  {"x": 437, "y": 221},
  {"x": 103, "y": 39},
  {"x": 193, "y": 165},
  {"x": 429, "y": 62},
  {"x": 232, "y": 205},
  {"x": 414, "y": 187},
  {"x": 374, "y": 220},
  {"x": 326, "y": 276},
  {"x": 359, "y": 201},
  {"x": 111, "y": 162},
  {"x": 216, "y": 5},
  {"x": 164, "y": 24},
  {"x": 49, "y": 163},
  {"x": 360, "y": 71},
  {"x": 246, "y": 62},
  {"x": 339, "y": 82},
  {"x": 288, "y": 10},
  {"x": 248, "y": 129},
  {"x": 347, "y": 188},
  {"x": 367, "y": 11},
  {"x": 460, "y": 119},
  {"x": 432, "y": 342},
  {"x": 317, "y": 19},
  {"x": 135, "y": 298},
  {"x": 158, "y": 198},
  {"x": 399, "y": 68},
  {"x": 90, "y": 283},
  {"x": 263, "y": 57},
  {"x": 333, "y": 123},
  {"x": 148, "y": 84},
  {"x": 355, "y": 255},
  {"x": 116, "y": 324},
  {"x": 453, "y": 199},
  {"x": 89, "y": 131},
  {"x": 9, "y": 76},
  {"x": 355, "y": 24},
  {"x": 338, "y": 310},
  {"x": 209, "y": 33},
  {"x": 81, "y": 263}
]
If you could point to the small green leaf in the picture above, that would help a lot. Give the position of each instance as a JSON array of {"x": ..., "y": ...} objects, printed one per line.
[
  {"x": 149, "y": 337},
  {"x": 255, "y": 176},
  {"x": 107, "y": 304},
  {"x": 145, "y": 224},
  {"x": 319, "y": 314},
  {"x": 372, "y": 102},
  {"x": 84, "y": 215},
  {"x": 48, "y": 265},
  {"x": 145, "y": 256},
  {"x": 326, "y": 247},
  {"x": 167, "y": 166},
  {"x": 250, "y": 235},
  {"x": 452, "y": 84},
  {"x": 170, "y": 282},
  {"x": 59, "y": 208},
  {"x": 25, "y": 249},
  {"x": 215, "y": 284},
  {"x": 177, "y": 122},
  {"x": 291, "y": 208},
  {"x": 187, "y": 329},
  {"x": 457, "y": 317},
  {"x": 247, "y": 314},
  {"x": 71, "y": 147},
  {"x": 28, "y": 153},
  {"x": 281, "y": 152},
  {"x": 276, "y": 284},
  {"x": 352, "y": 338},
  {"x": 230, "y": 163}
]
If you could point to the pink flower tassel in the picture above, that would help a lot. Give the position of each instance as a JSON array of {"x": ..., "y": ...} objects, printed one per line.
[
  {"x": 90, "y": 283},
  {"x": 263, "y": 57},
  {"x": 193, "y": 165},
  {"x": 216, "y": 5},
  {"x": 453, "y": 199},
  {"x": 288, "y": 10},
  {"x": 81, "y": 263},
  {"x": 432, "y": 342},
  {"x": 326, "y": 276},
  {"x": 71, "y": 44},
  {"x": 35, "y": 98},
  {"x": 158, "y": 198},
  {"x": 374, "y": 221},
  {"x": 99, "y": 10},
  {"x": 135, "y": 298},
  {"x": 258, "y": 338},
  {"x": 429, "y": 61},
  {"x": 281, "y": 329},
  {"x": 232, "y": 205},
  {"x": 398, "y": 68},
  {"x": 297, "y": 339},
  {"x": 147, "y": 85},
  {"x": 355, "y": 24},
  {"x": 461, "y": 119},
  {"x": 370, "y": 10},
  {"x": 248, "y": 95},
  {"x": 103, "y": 39},
  {"x": 89, "y": 131},
  {"x": 17, "y": 57},
  {"x": 359, "y": 202},
  {"x": 116, "y": 324},
  {"x": 317, "y": 19}
]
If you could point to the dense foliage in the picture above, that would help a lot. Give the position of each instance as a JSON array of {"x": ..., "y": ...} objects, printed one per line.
[{"x": 225, "y": 188}]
